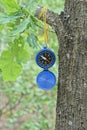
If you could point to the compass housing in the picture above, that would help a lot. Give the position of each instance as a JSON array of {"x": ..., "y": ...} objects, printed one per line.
[
  {"x": 46, "y": 80},
  {"x": 45, "y": 58}
]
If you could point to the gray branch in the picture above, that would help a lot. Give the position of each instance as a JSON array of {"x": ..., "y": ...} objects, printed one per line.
[{"x": 52, "y": 18}]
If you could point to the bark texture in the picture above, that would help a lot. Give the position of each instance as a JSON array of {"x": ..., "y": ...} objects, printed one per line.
[
  {"x": 71, "y": 29},
  {"x": 71, "y": 112}
]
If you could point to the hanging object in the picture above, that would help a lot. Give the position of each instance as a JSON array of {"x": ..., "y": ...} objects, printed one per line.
[{"x": 45, "y": 59}]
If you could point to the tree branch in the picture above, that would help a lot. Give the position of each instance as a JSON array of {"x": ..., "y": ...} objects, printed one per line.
[
  {"x": 50, "y": 16},
  {"x": 53, "y": 19}
]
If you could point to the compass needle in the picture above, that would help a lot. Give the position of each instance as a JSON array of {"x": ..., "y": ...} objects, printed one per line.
[
  {"x": 46, "y": 59},
  {"x": 43, "y": 57}
]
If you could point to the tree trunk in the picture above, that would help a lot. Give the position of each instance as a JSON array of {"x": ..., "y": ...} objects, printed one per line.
[
  {"x": 71, "y": 29},
  {"x": 71, "y": 112}
]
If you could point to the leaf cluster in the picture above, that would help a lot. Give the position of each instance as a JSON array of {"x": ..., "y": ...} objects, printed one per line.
[{"x": 19, "y": 23}]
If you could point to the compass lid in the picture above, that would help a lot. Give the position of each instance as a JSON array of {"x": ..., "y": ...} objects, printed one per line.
[{"x": 46, "y": 80}]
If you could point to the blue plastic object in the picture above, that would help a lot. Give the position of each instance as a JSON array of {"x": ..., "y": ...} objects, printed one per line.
[
  {"x": 45, "y": 58},
  {"x": 46, "y": 80}
]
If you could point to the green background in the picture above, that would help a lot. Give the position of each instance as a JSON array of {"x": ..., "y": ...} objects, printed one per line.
[{"x": 28, "y": 107}]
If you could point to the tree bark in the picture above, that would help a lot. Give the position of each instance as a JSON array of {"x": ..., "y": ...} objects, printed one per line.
[
  {"x": 71, "y": 112},
  {"x": 71, "y": 29}
]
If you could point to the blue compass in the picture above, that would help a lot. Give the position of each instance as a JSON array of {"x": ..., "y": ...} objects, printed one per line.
[{"x": 45, "y": 58}]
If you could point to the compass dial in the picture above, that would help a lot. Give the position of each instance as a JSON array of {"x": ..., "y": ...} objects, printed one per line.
[{"x": 45, "y": 59}]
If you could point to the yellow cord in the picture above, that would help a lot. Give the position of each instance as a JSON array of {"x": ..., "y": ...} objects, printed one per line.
[{"x": 45, "y": 27}]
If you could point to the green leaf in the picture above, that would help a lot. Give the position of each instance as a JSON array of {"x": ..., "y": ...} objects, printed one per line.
[
  {"x": 18, "y": 49},
  {"x": 17, "y": 45},
  {"x": 34, "y": 19},
  {"x": 21, "y": 27},
  {"x": 4, "y": 19},
  {"x": 11, "y": 5},
  {"x": 11, "y": 72},
  {"x": 6, "y": 57},
  {"x": 23, "y": 55},
  {"x": 32, "y": 40},
  {"x": 10, "y": 68},
  {"x": 31, "y": 6}
]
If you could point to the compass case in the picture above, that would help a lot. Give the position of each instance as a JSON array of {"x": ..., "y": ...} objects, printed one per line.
[{"x": 46, "y": 80}]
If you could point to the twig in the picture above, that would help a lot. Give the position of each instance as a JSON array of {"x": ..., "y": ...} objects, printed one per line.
[{"x": 42, "y": 28}]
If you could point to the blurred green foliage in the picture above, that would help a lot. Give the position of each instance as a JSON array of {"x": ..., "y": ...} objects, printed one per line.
[{"x": 27, "y": 106}]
